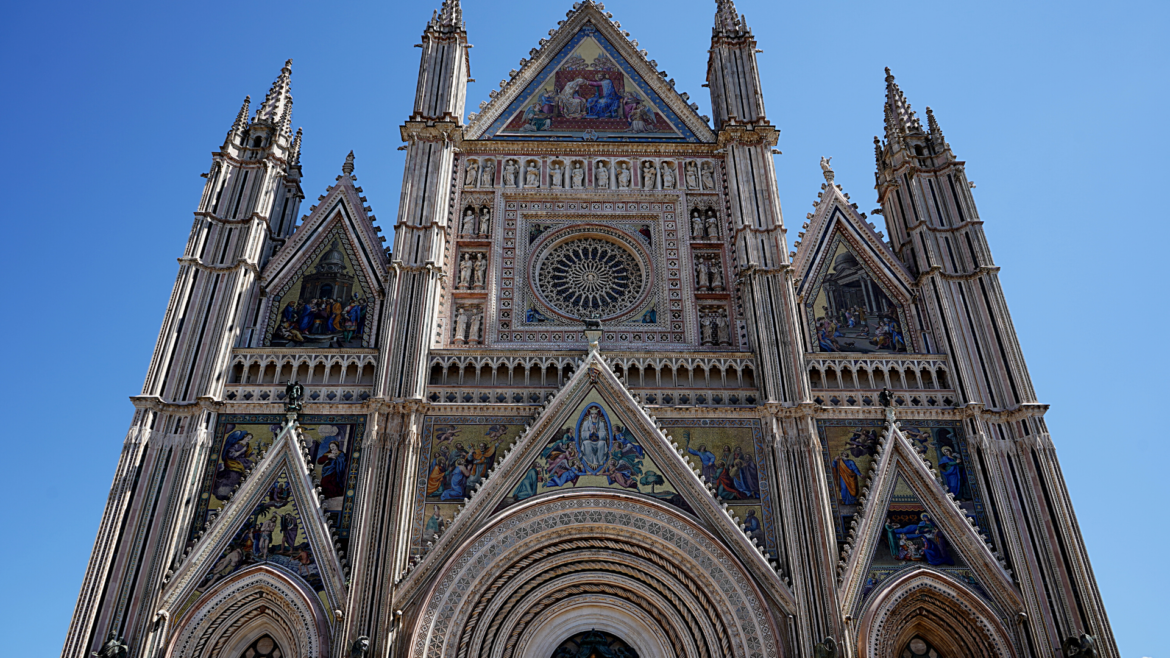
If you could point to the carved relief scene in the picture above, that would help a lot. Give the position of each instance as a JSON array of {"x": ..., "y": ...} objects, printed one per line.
[
  {"x": 589, "y": 91},
  {"x": 850, "y": 311},
  {"x": 334, "y": 444},
  {"x": 327, "y": 304}
]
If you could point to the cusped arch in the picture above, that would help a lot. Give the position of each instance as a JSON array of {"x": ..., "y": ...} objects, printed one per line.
[
  {"x": 921, "y": 602},
  {"x": 664, "y": 583},
  {"x": 249, "y": 604}
]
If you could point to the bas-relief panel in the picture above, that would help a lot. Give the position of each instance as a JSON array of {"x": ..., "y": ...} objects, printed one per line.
[
  {"x": 588, "y": 91},
  {"x": 241, "y": 440},
  {"x": 328, "y": 304},
  {"x": 274, "y": 533},
  {"x": 851, "y": 312},
  {"x": 596, "y": 449}
]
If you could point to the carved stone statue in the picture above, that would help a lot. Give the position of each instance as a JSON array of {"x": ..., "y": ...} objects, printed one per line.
[
  {"x": 480, "y": 272},
  {"x": 465, "y": 271},
  {"x": 532, "y": 175},
  {"x": 578, "y": 176},
  {"x": 708, "y": 176},
  {"x": 467, "y": 226},
  {"x": 668, "y": 176},
  {"x": 601, "y": 176},
  {"x": 485, "y": 221},
  {"x": 1083, "y": 647},
  {"x": 707, "y": 329},
  {"x": 827, "y": 168},
  {"x": 826, "y": 648},
  {"x": 472, "y": 175},
  {"x": 624, "y": 178},
  {"x": 113, "y": 648},
  {"x": 511, "y": 170},
  {"x": 474, "y": 335},
  {"x": 294, "y": 397},
  {"x": 711, "y": 223},
  {"x": 649, "y": 176},
  {"x": 461, "y": 318},
  {"x": 696, "y": 224},
  {"x": 692, "y": 174},
  {"x": 556, "y": 175},
  {"x": 360, "y": 647},
  {"x": 722, "y": 328},
  {"x": 702, "y": 273},
  {"x": 716, "y": 274},
  {"x": 487, "y": 177}
]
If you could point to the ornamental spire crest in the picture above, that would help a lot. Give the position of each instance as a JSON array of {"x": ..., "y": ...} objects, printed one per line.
[
  {"x": 240, "y": 124},
  {"x": 727, "y": 19},
  {"x": 277, "y": 106},
  {"x": 900, "y": 118},
  {"x": 448, "y": 17}
]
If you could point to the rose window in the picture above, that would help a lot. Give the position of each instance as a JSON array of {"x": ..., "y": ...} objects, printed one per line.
[{"x": 590, "y": 277}]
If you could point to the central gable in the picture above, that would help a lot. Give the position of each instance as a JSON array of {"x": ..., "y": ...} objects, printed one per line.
[{"x": 588, "y": 90}]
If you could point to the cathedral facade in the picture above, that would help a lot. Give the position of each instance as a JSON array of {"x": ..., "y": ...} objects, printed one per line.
[{"x": 588, "y": 403}]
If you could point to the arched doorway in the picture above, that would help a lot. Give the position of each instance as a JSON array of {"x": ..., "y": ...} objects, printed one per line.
[
  {"x": 594, "y": 644},
  {"x": 556, "y": 568}
]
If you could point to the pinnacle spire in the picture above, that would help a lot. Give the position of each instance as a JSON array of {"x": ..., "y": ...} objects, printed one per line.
[
  {"x": 277, "y": 106},
  {"x": 241, "y": 122},
  {"x": 295, "y": 150},
  {"x": 900, "y": 119},
  {"x": 727, "y": 19},
  {"x": 936, "y": 134},
  {"x": 449, "y": 16},
  {"x": 347, "y": 168},
  {"x": 878, "y": 152}
]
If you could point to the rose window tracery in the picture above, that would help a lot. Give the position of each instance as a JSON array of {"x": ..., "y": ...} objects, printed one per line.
[{"x": 590, "y": 277}]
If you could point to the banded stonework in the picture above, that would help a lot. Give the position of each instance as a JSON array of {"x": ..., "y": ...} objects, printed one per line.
[{"x": 588, "y": 401}]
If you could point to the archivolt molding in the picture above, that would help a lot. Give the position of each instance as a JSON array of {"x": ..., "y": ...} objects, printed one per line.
[
  {"x": 922, "y": 602},
  {"x": 620, "y": 546},
  {"x": 242, "y": 607},
  {"x": 604, "y": 613}
]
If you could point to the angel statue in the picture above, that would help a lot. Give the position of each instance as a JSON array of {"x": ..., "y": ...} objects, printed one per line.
[
  {"x": 294, "y": 395},
  {"x": 113, "y": 648}
]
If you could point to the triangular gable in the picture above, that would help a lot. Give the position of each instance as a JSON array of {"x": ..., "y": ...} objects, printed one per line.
[
  {"x": 856, "y": 294},
  {"x": 274, "y": 519},
  {"x": 900, "y": 485},
  {"x": 589, "y": 82},
  {"x": 593, "y": 401}
]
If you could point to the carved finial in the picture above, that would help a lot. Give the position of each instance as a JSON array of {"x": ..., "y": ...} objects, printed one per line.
[
  {"x": 449, "y": 16},
  {"x": 727, "y": 19},
  {"x": 877, "y": 152},
  {"x": 277, "y": 106},
  {"x": 936, "y": 134},
  {"x": 294, "y": 157},
  {"x": 347, "y": 168},
  {"x": 827, "y": 168},
  {"x": 241, "y": 122},
  {"x": 899, "y": 117}
]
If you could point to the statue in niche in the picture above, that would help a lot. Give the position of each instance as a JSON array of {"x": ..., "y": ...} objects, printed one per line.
[
  {"x": 706, "y": 329},
  {"x": 461, "y": 318},
  {"x": 556, "y": 175},
  {"x": 532, "y": 175},
  {"x": 624, "y": 177},
  {"x": 480, "y": 272},
  {"x": 649, "y": 176},
  {"x": 702, "y": 273},
  {"x": 711, "y": 223},
  {"x": 487, "y": 178},
  {"x": 601, "y": 176},
  {"x": 485, "y": 220},
  {"x": 696, "y": 224},
  {"x": 692, "y": 174},
  {"x": 511, "y": 170},
  {"x": 716, "y": 276},
  {"x": 467, "y": 226},
  {"x": 360, "y": 647},
  {"x": 472, "y": 174},
  {"x": 578, "y": 176},
  {"x": 668, "y": 176},
  {"x": 708, "y": 177},
  {"x": 473, "y": 334},
  {"x": 722, "y": 328},
  {"x": 465, "y": 266}
]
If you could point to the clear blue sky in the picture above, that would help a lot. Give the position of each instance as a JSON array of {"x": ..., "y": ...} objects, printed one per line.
[{"x": 112, "y": 110}]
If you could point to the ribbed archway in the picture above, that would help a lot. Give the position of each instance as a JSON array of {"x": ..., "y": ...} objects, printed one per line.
[{"x": 641, "y": 571}]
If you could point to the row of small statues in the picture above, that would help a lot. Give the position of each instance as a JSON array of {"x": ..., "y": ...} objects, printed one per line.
[
  {"x": 472, "y": 273},
  {"x": 605, "y": 176},
  {"x": 714, "y": 329},
  {"x": 704, "y": 225},
  {"x": 473, "y": 225},
  {"x": 468, "y": 325},
  {"x": 708, "y": 273}
]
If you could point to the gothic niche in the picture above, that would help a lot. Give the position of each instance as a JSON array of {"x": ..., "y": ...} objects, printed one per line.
[
  {"x": 708, "y": 272},
  {"x": 704, "y": 224},
  {"x": 851, "y": 312},
  {"x": 472, "y": 273},
  {"x": 468, "y": 325},
  {"x": 474, "y": 225},
  {"x": 594, "y": 644},
  {"x": 714, "y": 327}
]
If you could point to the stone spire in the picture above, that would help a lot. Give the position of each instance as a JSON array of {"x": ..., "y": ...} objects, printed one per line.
[
  {"x": 277, "y": 106},
  {"x": 727, "y": 20},
  {"x": 878, "y": 152},
  {"x": 936, "y": 134},
  {"x": 900, "y": 119},
  {"x": 240, "y": 124},
  {"x": 294, "y": 157},
  {"x": 449, "y": 17}
]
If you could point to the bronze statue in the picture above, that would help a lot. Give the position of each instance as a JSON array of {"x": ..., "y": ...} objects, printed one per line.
[
  {"x": 360, "y": 648},
  {"x": 113, "y": 648},
  {"x": 826, "y": 648},
  {"x": 1083, "y": 647},
  {"x": 294, "y": 395},
  {"x": 885, "y": 398}
]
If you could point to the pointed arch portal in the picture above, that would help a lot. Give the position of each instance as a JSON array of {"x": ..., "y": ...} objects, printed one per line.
[{"x": 621, "y": 565}]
